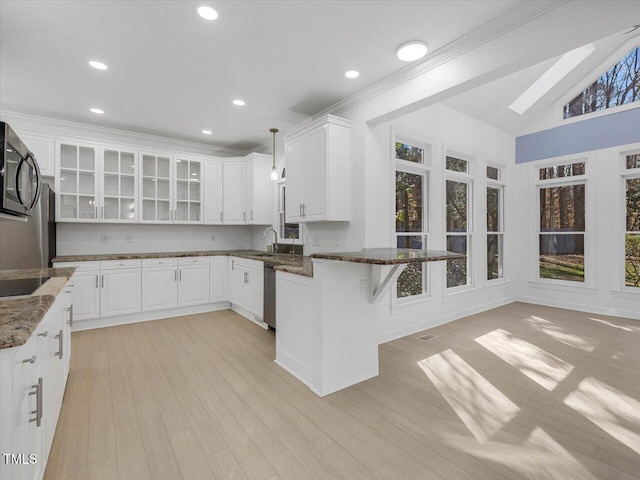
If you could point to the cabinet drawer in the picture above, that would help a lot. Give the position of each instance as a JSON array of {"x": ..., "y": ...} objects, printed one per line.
[
  {"x": 193, "y": 260},
  {"x": 246, "y": 263},
  {"x": 113, "y": 264},
  {"x": 79, "y": 266},
  {"x": 157, "y": 262}
]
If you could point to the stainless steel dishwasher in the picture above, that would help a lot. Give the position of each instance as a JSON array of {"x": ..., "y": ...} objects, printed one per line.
[{"x": 269, "y": 311}]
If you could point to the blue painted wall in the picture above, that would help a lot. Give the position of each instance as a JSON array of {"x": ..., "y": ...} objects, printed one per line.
[{"x": 606, "y": 131}]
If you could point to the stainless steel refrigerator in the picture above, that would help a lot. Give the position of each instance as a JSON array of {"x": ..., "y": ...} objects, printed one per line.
[{"x": 30, "y": 242}]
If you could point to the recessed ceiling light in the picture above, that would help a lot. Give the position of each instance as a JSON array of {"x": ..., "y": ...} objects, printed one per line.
[
  {"x": 98, "y": 65},
  {"x": 411, "y": 51},
  {"x": 97, "y": 110},
  {"x": 207, "y": 13},
  {"x": 551, "y": 77},
  {"x": 238, "y": 102},
  {"x": 352, "y": 74},
  {"x": 207, "y": 132}
]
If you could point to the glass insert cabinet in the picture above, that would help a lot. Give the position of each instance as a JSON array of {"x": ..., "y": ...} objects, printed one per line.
[{"x": 112, "y": 185}]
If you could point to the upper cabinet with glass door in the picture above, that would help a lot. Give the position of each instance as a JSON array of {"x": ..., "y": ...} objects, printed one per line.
[
  {"x": 119, "y": 186},
  {"x": 188, "y": 184},
  {"x": 77, "y": 182},
  {"x": 156, "y": 188}
]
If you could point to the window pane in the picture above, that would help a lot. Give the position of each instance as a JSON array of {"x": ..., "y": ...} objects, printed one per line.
[
  {"x": 633, "y": 161},
  {"x": 408, "y": 202},
  {"x": 457, "y": 165},
  {"x": 493, "y": 210},
  {"x": 561, "y": 171},
  {"x": 633, "y": 205},
  {"x": 494, "y": 257},
  {"x": 493, "y": 173},
  {"x": 409, "y": 153},
  {"x": 632, "y": 260},
  {"x": 562, "y": 209},
  {"x": 617, "y": 86},
  {"x": 410, "y": 281},
  {"x": 410, "y": 241},
  {"x": 457, "y": 269},
  {"x": 562, "y": 257},
  {"x": 456, "y": 206}
]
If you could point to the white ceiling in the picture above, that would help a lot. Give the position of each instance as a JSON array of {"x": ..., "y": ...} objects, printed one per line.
[
  {"x": 171, "y": 73},
  {"x": 490, "y": 102}
]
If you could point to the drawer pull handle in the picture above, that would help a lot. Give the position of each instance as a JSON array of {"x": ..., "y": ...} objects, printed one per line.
[
  {"x": 38, "y": 411},
  {"x": 30, "y": 360},
  {"x": 43, "y": 334},
  {"x": 70, "y": 310},
  {"x": 60, "y": 340}
]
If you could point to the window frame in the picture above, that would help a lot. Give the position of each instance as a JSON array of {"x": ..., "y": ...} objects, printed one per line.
[
  {"x": 424, "y": 170},
  {"x": 281, "y": 184},
  {"x": 469, "y": 179},
  {"x": 626, "y": 174},
  {"x": 589, "y": 254},
  {"x": 500, "y": 185}
]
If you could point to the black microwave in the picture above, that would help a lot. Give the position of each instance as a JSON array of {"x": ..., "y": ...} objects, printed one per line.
[{"x": 19, "y": 175}]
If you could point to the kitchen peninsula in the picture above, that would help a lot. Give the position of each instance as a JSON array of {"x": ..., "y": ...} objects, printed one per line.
[{"x": 327, "y": 334}]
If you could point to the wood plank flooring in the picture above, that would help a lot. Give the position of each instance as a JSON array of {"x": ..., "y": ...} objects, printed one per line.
[{"x": 519, "y": 392}]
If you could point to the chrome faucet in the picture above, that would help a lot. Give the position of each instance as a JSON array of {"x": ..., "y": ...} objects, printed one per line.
[{"x": 275, "y": 238}]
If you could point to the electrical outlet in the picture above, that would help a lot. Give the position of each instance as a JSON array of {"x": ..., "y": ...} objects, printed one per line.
[
  {"x": 364, "y": 287},
  {"x": 104, "y": 238},
  {"x": 129, "y": 238},
  {"x": 382, "y": 311},
  {"x": 338, "y": 242},
  {"x": 213, "y": 238}
]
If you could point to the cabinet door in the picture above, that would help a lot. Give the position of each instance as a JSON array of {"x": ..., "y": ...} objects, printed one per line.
[
  {"x": 254, "y": 292},
  {"x": 86, "y": 295},
  {"x": 159, "y": 288},
  {"x": 118, "y": 186},
  {"x": 156, "y": 189},
  {"x": 315, "y": 175},
  {"x": 55, "y": 353},
  {"x": 233, "y": 192},
  {"x": 262, "y": 189},
  {"x": 193, "y": 285},
  {"x": 188, "y": 188},
  {"x": 213, "y": 193},
  {"x": 77, "y": 182},
  {"x": 235, "y": 282},
  {"x": 218, "y": 279},
  {"x": 294, "y": 165},
  {"x": 44, "y": 150},
  {"x": 248, "y": 192},
  {"x": 120, "y": 292}
]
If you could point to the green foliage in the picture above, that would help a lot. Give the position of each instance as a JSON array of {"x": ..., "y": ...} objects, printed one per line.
[{"x": 632, "y": 266}]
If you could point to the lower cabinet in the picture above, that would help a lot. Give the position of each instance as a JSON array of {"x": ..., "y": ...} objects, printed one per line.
[
  {"x": 120, "y": 292},
  {"x": 193, "y": 284},
  {"x": 218, "y": 279},
  {"x": 33, "y": 379},
  {"x": 246, "y": 284},
  {"x": 159, "y": 288},
  {"x": 86, "y": 303}
]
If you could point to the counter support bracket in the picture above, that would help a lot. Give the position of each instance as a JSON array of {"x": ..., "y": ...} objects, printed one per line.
[{"x": 378, "y": 286}]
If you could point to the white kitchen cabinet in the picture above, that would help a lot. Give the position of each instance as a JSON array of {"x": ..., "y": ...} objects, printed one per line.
[
  {"x": 234, "y": 212},
  {"x": 246, "y": 284},
  {"x": 77, "y": 182},
  {"x": 86, "y": 297},
  {"x": 258, "y": 189},
  {"x": 193, "y": 284},
  {"x": 213, "y": 195},
  {"x": 160, "y": 286},
  {"x": 188, "y": 190},
  {"x": 118, "y": 185},
  {"x": 156, "y": 188},
  {"x": 318, "y": 163},
  {"x": 43, "y": 149},
  {"x": 218, "y": 279},
  {"x": 120, "y": 288}
]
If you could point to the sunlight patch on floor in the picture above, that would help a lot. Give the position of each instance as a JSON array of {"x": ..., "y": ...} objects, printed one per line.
[
  {"x": 556, "y": 333},
  {"x": 540, "y": 366},
  {"x": 480, "y": 405},
  {"x": 539, "y": 457},
  {"x": 613, "y": 411},
  {"x": 626, "y": 328}
]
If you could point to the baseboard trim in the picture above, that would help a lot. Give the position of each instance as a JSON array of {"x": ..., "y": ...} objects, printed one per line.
[
  {"x": 441, "y": 320},
  {"x": 293, "y": 373},
  {"x": 613, "y": 312},
  {"x": 249, "y": 315},
  {"x": 103, "y": 322}
]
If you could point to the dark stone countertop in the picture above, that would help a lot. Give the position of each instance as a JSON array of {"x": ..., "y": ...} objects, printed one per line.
[{"x": 389, "y": 256}]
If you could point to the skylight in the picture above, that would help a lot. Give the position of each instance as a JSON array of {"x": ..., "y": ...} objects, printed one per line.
[{"x": 551, "y": 77}]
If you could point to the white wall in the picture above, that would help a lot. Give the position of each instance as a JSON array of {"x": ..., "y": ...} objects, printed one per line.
[{"x": 85, "y": 239}]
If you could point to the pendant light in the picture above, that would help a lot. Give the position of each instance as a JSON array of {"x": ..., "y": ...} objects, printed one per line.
[{"x": 274, "y": 172}]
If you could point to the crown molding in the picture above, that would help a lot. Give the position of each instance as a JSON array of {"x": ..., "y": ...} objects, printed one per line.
[{"x": 56, "y": 127}]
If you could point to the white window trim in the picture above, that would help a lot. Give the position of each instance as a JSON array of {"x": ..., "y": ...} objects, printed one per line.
[
  {"x": 423, "y": 169},
  {"x": 469, "y": 178},
  {"x": 286, "y": 241},
  {"x": 589, "y": 239},
  {"x": 627, "y": 174},
  {"x": 500, "y": 185}
]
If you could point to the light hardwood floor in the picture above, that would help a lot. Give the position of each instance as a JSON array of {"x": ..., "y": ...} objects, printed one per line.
[{"x": 519, "y": 392}]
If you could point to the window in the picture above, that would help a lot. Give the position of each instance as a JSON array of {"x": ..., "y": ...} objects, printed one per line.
[
  {"x": 620, "y": 85},
  {"x": 495, "y": 225},
  {"x": 561, "y": 236},
  {"x": 410, "y": 214},
  {"x": 632, "y": 228},
  {"x": 286, "y": 231},
  {"x": 458, "y": 228}
]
